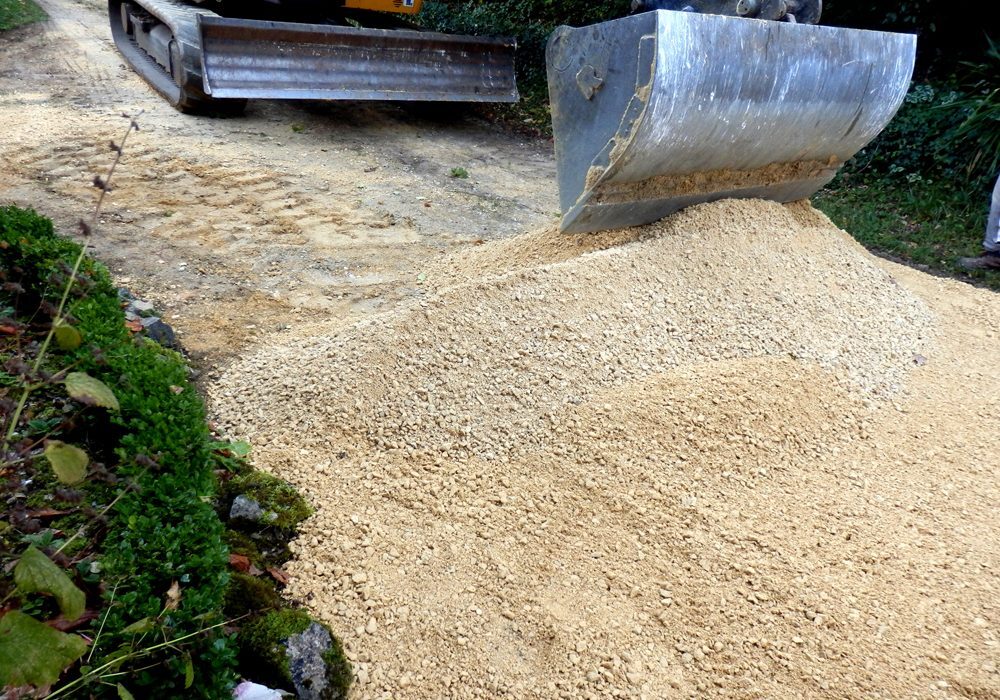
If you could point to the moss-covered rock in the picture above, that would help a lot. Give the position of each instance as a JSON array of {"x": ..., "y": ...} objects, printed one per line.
[
  {"x": 287, "y": 649},
  {"x": 282, "y": 505}
]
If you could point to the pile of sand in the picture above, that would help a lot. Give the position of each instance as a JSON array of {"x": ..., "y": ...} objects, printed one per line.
[{"x": 623, "y": 465}]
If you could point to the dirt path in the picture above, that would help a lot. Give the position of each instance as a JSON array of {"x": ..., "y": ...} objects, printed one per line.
[{"x": 240, "y": 226}]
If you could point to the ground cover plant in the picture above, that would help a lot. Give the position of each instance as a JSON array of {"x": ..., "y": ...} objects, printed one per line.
[
  {"x": 126, "y": 571},
  {"x": 115, "y": 562},
  {"x": 15, "y": 13}
]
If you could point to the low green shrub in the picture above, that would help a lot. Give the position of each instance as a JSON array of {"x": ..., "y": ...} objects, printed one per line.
[{"x": 163, "y": 559}]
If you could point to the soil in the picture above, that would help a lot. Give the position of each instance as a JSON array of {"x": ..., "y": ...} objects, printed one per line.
[
  {"x": 730, "y": 454},
  {"x": 238, "y": 227}
]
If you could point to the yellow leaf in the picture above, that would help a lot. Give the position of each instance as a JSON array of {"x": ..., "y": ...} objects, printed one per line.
[
  {"x": 68, "y": 461},
  {"x": 82, "y": 387},
  {"x": 67, "y": 337}
]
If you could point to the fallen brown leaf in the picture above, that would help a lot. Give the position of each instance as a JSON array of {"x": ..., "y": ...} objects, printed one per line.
[
  {"x": 173, "y": 596},
  {"x": 46, "y": 513},
  {"x": 239, "y": 562},
  {"x": 279, "y": 575},
  {"x": 64, "y": 625}
]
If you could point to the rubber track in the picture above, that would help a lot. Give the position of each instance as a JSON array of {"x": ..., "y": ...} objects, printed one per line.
[{"x": 185, "y": 91}]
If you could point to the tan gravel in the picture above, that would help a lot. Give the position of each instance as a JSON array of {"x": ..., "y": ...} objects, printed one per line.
[{"x": 726, "y": 454}]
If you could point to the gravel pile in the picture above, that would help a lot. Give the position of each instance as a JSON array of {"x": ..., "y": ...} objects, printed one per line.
[
  {"x": 516, "y": 332},
  {"x": 594, "y": 468}
]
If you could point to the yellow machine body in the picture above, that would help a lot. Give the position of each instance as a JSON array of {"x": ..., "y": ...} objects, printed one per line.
[{"x": 406, "y": 7}]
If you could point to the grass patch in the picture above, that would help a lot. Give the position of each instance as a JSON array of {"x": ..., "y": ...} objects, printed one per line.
[
  {"x": 925, "y": 223},
  {"x": 16, "y": 13}
]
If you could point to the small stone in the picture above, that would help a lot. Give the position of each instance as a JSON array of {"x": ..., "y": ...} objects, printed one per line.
[
  {"x": 245, "y": 508},
  {"x": 372, "y": 626},
  {"x": 141, "y": 307},
  {"x": 159, "y": 331},
  {"x": 305, "y": 661}
]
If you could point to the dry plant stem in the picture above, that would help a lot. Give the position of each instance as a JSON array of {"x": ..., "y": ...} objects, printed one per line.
[
  {"x": 105, "y": 185},
  {"x": 100, "y": 630}
]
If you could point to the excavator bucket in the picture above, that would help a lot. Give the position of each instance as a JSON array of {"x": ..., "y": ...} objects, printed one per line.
[
  {"x": 662, "y": 110},
  {"x": 244, "y": 58}
]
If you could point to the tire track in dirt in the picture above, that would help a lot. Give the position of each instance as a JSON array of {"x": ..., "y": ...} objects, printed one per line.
[
  {"x": 179, "y": 199},
  {"x": 242, "y": 226}
]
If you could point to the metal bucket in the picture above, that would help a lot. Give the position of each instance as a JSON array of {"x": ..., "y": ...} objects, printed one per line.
[
  {"x": 284, "y": 60},
  {"x": 658, "y": 111}
]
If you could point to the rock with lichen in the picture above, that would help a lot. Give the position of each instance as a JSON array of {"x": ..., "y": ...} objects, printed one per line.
[{"x": 287, "y": 649}]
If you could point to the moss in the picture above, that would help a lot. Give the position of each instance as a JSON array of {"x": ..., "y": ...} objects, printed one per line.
[
  {"x": 249, "y": 595},
  {"x": 263, "y": 653},
  {"x": 241, "y": 543},
  {"x": 338, "y": 671},
  {"x": 274, "y": 496}
]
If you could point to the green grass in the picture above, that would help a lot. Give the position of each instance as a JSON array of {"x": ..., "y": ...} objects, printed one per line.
[
  {"x": 15, "y": 13},
  {"x": 924, "y": 223}
]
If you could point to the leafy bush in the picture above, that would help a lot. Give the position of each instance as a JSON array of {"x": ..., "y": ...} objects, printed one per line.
[
  {"x": 946, "y": 132},
  {"x": 981, "y": 127},
  {"x": 529, "y": 21}
]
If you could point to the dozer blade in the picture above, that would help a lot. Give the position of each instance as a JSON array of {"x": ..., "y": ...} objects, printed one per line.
[
  {"x": 658, "y": 111},
  {"x": 283, "y": 60}
]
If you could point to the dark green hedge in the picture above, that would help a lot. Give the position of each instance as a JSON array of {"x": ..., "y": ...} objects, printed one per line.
[
  {"x": 529, "y": 21},
  {"x": 167, "y": 530}
]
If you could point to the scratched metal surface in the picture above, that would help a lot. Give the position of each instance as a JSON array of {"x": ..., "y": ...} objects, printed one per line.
[
  {"x": 685, "y": 93},
  {"x": 282, "y": 60}
]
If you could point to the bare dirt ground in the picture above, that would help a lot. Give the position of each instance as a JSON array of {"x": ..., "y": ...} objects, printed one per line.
[
  {"x": 239, "y": 226},
  {"x": 732, "y": 459}
]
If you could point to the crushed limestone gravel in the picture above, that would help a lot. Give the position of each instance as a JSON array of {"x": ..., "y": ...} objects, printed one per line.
[{"x": 630, "y": 464}]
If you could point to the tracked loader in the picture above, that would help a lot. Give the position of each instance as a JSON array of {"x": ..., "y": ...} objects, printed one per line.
[
  {"x": 210, "y": 56},
  {"x": 689, "y": 101}
]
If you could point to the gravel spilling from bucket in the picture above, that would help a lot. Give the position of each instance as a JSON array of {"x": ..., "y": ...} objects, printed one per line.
[{"x": 591, "y": 467}]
